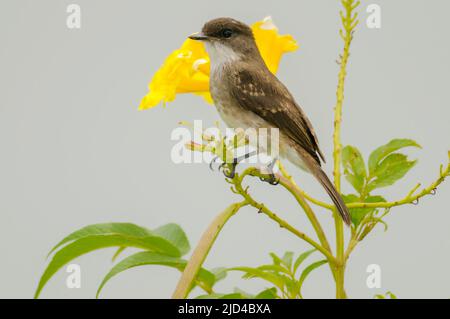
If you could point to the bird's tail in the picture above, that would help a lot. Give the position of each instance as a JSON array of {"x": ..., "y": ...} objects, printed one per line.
[{"x": 323, "y": 179}]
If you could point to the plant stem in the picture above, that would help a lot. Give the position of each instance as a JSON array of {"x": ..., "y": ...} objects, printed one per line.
[
  {"x": 410, "y": 198},
  {"x": 301, "y": 191},
  {"x": 308, "y": 211},
  {"x": 252, "y": 171},
  {"x": 349, "y": 22},
  {"x": 201, "y": 251},
  {"x": 339, "y": 278}
]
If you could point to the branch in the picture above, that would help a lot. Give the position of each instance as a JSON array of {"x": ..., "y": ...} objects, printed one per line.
[
  {"x": 201, "y": 251},
  {"x": 410, "y": 198},
  {"x": 349, "y": 23},
  {"x": 221, "y": 149},
  {"x": 301, "y": 191},
  {"x": 252, "y": 171}
]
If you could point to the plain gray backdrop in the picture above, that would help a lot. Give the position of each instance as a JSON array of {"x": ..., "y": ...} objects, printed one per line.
[{"x": 76, "y": 151}]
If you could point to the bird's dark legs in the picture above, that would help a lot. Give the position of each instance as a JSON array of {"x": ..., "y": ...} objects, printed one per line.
[
  {"x": 232, "y": 171},
  {"x": 271, "y": 179},
  {"x": 212, "y": 162}
]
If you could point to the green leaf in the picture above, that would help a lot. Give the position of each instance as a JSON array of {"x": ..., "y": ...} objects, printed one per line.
[
  {"x": 274, "y": 268},
  {"x": 209, "y": 296},
  {"x": 234, "y": 295},
  {"x": 270, "y": 293},
  {"x": 388, "y": 294},
  {"x": 302, "y": 258},
  {"x": 117, "y": 253},
  {"x": 354, "y": 167},
  {"x": 307, "y": 271},
  {"x": 390, "y": 170},
  {"x": 287, "y": 259},
  {"x": 250, "y": 272},
  {"x": 275, "y": 259},
  {"x": 291, "y": 287},
  {"x": 383, "y": 151},
  {"x": 86, "y": 244},
  {"x": 174, "y": 234},
  {"x": 243, "y": 293},
  {"x": 220, "y": 273},
  {"x": 357, "y": 214},
  {"x": 126, "y": 229},
  {"x": 152, "y": 258}
]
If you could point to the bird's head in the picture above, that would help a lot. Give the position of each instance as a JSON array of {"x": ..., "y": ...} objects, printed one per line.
[{"x": 227, "y": 39}]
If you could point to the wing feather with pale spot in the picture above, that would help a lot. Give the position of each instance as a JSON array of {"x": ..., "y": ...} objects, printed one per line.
[{"x": 262, "y": 93}]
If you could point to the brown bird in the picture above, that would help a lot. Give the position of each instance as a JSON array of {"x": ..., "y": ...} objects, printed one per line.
[{"x": 247, "y": 95}]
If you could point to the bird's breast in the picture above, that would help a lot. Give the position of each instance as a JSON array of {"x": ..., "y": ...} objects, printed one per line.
[{"x": 229, "y": 108}]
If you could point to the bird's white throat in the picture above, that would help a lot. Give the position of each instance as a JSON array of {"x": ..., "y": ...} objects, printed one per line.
[{"x": 220, "y": 55}]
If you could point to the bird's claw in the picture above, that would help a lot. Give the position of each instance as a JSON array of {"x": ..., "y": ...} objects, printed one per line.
[
  {"x": 214, "y": 160},
  {"x": 272, "y": 180},
  {"x": 228, "y": 172}
]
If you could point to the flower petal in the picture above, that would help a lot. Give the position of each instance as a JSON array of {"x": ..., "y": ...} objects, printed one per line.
[{"x": 186, "y": 70}]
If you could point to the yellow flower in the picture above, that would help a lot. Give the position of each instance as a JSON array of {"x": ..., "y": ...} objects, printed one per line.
[{"x": 186, "y": 70}]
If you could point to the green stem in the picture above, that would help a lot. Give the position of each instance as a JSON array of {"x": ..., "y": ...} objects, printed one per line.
[
  {"x": 308, "y": 211},
  {"x": 339, "y": 278},
  {"x": 252, "y": 171},
  {"x": 349, "y": 22},
  {"x": 201, "y": 251}
]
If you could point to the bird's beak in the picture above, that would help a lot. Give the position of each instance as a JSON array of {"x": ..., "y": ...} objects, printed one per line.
[{"x": 199, "y": 36}]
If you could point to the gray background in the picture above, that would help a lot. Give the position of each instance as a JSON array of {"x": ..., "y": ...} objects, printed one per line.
[{"x": 75, "y": 150}]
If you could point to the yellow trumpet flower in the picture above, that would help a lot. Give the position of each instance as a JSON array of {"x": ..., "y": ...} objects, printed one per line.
[{"x": 186, "y": 70}]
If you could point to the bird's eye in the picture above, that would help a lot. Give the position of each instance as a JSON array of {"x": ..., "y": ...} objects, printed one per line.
[{"x": 226, "y": 33}]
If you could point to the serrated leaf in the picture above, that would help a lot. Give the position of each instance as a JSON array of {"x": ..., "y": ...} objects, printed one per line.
[
  {"x": 301, "y": 258},
  {"x": 384, "y": 150},
  {"x": 357, "y": 214},
  {"x": 151, "y": 258},
  {"x": 307, "y": 271},
  {"x": 390, "y": 170},
  {"x": 270, "y": 293},
  {"x": 90, "y": 243},
  {"x": 354, "y": 167}
]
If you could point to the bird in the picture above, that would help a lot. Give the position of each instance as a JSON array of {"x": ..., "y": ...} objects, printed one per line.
[{"x": 248, "y": 95}]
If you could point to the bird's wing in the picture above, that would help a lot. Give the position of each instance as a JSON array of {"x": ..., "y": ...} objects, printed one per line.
[{"x": 262, "y": 93}]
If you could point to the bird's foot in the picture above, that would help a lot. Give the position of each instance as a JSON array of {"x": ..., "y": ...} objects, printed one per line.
[
  {"x": 271, "y": 179},
  {"x": 213, "y": 161},
  {"x": 229, "y": 169}
]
